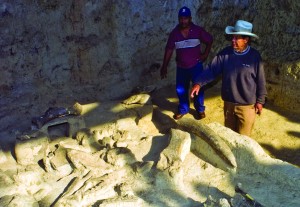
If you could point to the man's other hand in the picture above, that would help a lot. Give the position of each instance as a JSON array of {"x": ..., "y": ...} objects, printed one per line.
[
  {"x": 258, "y": 108},
  {"x": 195, "y": 90}
]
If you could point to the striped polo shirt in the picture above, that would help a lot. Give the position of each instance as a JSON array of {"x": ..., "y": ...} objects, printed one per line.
[{"x": 188, "y": 49}]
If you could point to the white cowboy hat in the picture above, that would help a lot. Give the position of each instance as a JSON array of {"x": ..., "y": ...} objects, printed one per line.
[{"x": 241, "y": 27}]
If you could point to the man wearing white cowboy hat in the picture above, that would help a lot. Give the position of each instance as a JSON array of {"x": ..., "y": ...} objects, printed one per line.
[{"x": 243, "y": 79}]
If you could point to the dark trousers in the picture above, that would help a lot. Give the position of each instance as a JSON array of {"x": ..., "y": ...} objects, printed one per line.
[{"x": 184, "y": 77}]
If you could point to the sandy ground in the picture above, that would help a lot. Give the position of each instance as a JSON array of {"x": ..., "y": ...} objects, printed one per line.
[{"x": 276, "y": 130}]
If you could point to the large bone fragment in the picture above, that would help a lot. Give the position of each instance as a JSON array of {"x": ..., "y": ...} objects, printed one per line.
[
  {"x": 172, "y": 157},
  {"x": 93, "y": 189},
  {"x": 77, "y": 183},
  {"x": 89, "y": 161},
  {"x": 30, "y": 151},
  {"x": 208, "y": 135}
]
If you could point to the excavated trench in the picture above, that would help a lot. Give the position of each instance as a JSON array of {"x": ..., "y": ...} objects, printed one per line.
[{"x": 130, "y": 152}]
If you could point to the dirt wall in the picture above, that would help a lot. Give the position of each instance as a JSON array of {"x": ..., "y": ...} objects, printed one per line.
[{"x": 57, "y": 52}]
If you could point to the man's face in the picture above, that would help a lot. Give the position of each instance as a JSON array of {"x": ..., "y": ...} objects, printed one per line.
[
  {"x": 184, "y": 22},
  {"x": 239, "y": 43}
]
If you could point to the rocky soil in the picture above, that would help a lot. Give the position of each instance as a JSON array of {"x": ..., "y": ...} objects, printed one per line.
[{"x": 132, "y": 153}]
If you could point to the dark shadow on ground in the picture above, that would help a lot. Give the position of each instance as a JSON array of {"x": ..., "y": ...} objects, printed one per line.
[
  {"x": 211, "y": 191},
  {"x": 286, "y": 154},
  {"x": 162, "y": 121},
  {"x": 290, "y": 116},
  {"x": 159, "y": 143},
  {"x": 294, "y": 133}
]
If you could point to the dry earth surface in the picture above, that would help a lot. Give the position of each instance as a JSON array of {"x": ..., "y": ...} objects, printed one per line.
[{"x": 276, "y": 130}]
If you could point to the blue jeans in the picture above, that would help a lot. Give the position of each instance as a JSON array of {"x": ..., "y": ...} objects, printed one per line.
[{"x": 184, "y": 76}]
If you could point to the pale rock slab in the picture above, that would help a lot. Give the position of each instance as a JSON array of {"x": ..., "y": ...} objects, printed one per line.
[
  {"x": 59, "y": 158},
  {"x": 89, "y": 139},
  {"x": 83, "y": 160},
  {"x": 142, "y": 99},
  {"x": 3, "y": 157},
  {"x": 18, "y": 200},
  {"x": 175, "y": 153},
  {"x": 120, "y": 157},
  {"x": 58, "y": 162},
  {"x": 30, "y": 151},
  {"x": 95, "y": 189},
  {"x": 70, "y": 143},
  {"x": 57, "y": 188}
]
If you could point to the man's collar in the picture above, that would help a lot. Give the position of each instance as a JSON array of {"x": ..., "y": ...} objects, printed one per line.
[{"x": 243, "y": 52}]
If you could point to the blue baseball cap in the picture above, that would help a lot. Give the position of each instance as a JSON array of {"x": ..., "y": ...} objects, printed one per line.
[{"x": 184, "y": 12}]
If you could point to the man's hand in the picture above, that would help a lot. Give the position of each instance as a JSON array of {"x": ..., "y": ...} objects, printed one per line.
[
  {"x": 195, "y": 90},
  {"x": 258, "y": 108},
  {"x": 163, "y": 72}
]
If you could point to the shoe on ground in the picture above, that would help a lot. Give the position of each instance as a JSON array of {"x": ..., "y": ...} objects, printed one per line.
[
  {"x": 178, "y": 116},
  {"x": 200, "y": 115}
]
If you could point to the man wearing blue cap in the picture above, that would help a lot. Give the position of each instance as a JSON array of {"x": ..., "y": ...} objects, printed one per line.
[
  {"x": 243, "y": 79},
  {"x": 186, "y": 38}
]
